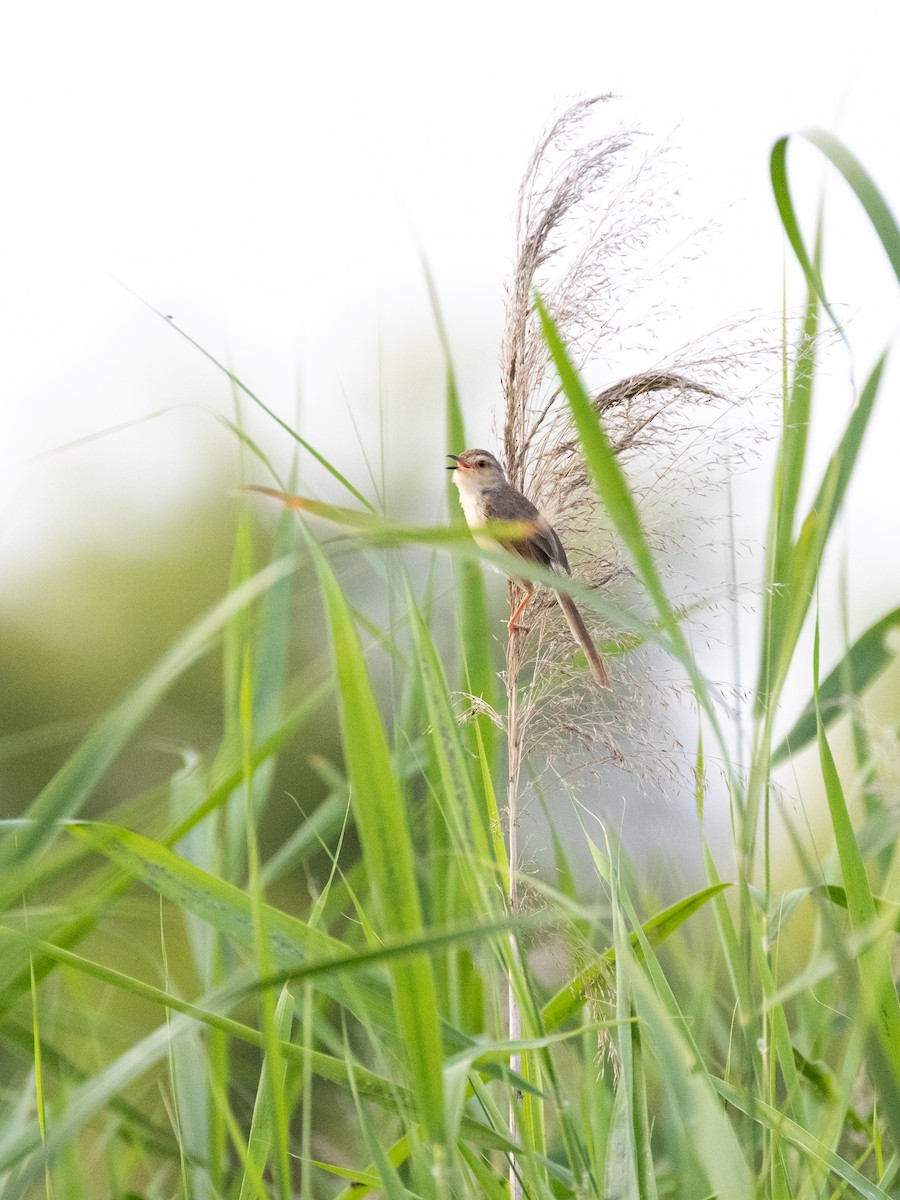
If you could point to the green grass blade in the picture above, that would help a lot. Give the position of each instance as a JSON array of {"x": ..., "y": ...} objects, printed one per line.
[
  {"x": 887, "y": 231},
  {"x": 629, "y": 1162},
  {"x": 211, "y": 1010},
  {"x": 264, "y": 1129},
  {"x": 789, "y": 471},
  {"x": 613, "y": 490},
  {"x": 187, "y": 1070},
  {"x": 860, "y": 181},
  {"x": 806, "y": 1142},
  {"x": 817, "y": 527},
  {"x": 869, "y": 655},
  {"x": 380, "y": 813},
  {"x": 610, "y": 482},
  {"x": 461, "y": 802},
  {"x": 225, "y": 785},
  {"x": 874, "y": 964},
  {"x": 689, "y": 1090},
  {"x": 242, "y": 387},
  {"x": 39, "y": 1079},
  {"x": 277, "y": 1114},
  {"x": 228, "y": 909},
  {"x": 270, "y": 655},
  {"x": 72, "y": 785},
  {"x": 569, "y": 999}
]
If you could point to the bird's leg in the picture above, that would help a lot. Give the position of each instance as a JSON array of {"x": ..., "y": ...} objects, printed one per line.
[{"x": 513, "y": 623}]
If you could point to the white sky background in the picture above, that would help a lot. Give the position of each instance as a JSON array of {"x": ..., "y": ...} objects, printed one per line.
[{"x": 270, "y": 173}]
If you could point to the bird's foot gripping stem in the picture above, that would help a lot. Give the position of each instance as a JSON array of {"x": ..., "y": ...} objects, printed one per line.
[{"x": 513, "y": 625}]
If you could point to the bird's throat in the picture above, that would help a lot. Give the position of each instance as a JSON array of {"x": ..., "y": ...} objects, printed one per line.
[
  {"x": 471, "y": 499},
  {"x": 473, "y": 507}
]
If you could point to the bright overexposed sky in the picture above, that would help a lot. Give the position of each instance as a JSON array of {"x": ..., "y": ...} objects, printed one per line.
[{"x": 270, "y": 175}]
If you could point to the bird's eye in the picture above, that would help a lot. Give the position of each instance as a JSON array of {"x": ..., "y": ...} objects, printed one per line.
[{"x": 482, "y": 462}]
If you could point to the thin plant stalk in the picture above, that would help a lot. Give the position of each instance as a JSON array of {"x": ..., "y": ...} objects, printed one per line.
[{"x": 514, "y": 755}]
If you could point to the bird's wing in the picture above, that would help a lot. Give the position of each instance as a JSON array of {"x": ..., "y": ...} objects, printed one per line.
[
  {"x": 558, "y": 555},
  {"x": 541, "y": 544}
]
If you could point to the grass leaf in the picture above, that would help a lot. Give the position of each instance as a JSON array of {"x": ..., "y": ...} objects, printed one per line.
[
  {"x": 869, "y": 655},
  {"x": 65, "y": 794},
  {"x": 873, "y": 203},
  {"x": 381, "y": 818}
]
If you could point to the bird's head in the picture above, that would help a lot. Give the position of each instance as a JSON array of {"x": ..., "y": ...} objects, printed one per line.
[{"x": 476, "y": 471}]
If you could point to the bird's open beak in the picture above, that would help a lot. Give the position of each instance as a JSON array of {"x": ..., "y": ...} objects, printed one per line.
[{"x": 455, "y": 458}]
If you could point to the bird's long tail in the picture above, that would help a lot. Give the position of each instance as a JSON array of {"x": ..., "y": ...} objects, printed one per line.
[{"x": 583, "y": 638}]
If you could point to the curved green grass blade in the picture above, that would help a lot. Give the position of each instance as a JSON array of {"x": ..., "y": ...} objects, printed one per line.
[
  {"x": 298, "y": 950},
  {"x": 229, "y": 910},
  {"x": 657, "y": 929},
  {"x": 233, "y": 379},
  {"x": 22, "y": 1148},
  {"x": 807, "y": 1143},
  {"x": 371, "y": 529},
  {"x": 73, "y": 783},
  {"x": 838, "y": 895},
  {"x": 806, "y": 560},
  {"x": 211, "y": 1010},
  {"x": 860, "y": 181},
  {"x": 794, "y": 564},
  {"x": 869, "y": 655}
]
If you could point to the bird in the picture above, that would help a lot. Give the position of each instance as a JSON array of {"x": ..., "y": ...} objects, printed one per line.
[{"x": 487, "y": 496}]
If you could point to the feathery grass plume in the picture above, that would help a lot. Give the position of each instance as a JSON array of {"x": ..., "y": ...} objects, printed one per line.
[{"x": 592, "y": 212}]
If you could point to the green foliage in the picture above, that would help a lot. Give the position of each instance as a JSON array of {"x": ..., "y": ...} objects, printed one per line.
[{"x": 185, "y": 1012}]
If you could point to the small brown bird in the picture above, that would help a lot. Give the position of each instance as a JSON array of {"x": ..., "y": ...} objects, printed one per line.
[{"x": 486, "y": 496}]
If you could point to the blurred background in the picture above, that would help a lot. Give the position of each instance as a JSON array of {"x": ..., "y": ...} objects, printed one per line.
[{"x": 272, "y": 179}]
